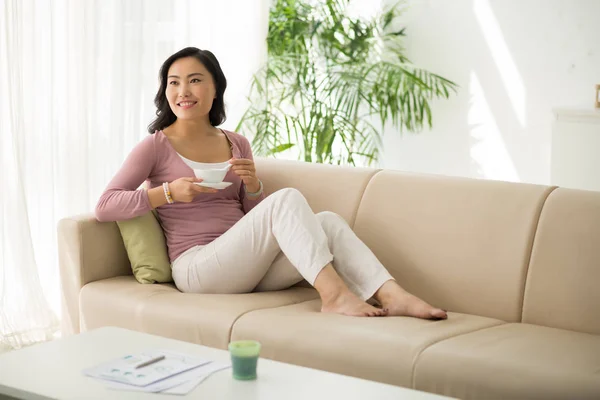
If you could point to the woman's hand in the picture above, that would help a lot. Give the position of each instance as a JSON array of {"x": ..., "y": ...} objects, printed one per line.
[
  {"x": 246, "y": 170},
  {"x": 184, "y": 189}
]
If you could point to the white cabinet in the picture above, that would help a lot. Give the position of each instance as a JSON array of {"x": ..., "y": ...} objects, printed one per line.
[{"x": 575, "y": 159}]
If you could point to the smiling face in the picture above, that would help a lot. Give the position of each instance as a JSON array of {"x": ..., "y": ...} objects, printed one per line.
[{"x": 190, "y": 89}]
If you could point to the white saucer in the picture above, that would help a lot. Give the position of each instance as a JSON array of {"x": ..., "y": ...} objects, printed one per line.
[{"x": 219, "y": 185}]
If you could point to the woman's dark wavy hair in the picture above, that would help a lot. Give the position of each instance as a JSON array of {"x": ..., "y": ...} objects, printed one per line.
[{"x": 164, "y": 115}]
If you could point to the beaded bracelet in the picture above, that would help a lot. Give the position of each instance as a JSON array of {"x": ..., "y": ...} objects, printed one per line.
[{"x": 167, "y": 193}]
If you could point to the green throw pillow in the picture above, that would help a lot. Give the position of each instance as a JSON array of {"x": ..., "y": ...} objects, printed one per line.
[{"x": 147, "y": 249}]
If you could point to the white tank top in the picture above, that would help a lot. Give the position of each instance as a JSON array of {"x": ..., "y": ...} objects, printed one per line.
[{"x": 199, "y": 165}]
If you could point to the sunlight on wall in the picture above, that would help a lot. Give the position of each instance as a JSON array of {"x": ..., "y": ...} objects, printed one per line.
[
  {"x": 513, "y": 83},
  {"x": 488, "y": 150}
]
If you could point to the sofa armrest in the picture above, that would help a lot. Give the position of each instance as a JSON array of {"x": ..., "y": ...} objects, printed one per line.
[{"x": 88, "y": 251}]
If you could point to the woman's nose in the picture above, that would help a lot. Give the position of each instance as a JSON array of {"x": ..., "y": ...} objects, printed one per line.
[{"x": 184, "y": 90}]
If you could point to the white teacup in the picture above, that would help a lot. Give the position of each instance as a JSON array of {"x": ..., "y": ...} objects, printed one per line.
[{"x": 212, "y": 175}]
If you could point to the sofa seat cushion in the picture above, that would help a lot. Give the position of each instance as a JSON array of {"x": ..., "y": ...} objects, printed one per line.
[
  {"x": 379, "y": 349},
  {"x": 513, "y": 361},
  {"x": 163, "y": 310}
]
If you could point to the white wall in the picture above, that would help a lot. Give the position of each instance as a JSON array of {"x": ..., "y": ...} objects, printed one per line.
[{"x": 515, "y": 61}]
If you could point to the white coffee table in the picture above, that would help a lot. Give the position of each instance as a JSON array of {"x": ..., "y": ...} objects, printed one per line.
[{"x": 53, "y": 371}]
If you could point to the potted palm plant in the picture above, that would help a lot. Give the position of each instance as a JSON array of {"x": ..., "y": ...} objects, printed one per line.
[{"x": 331, "y": 81}]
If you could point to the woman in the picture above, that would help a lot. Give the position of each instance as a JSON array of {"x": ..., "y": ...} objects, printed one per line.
[{"x": 235, "y": 240}]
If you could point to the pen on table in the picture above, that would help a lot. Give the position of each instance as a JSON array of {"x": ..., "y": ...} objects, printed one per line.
[{"x": 150, "y": 361}]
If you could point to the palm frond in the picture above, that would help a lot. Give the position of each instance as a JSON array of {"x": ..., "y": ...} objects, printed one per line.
[{"x": 328, "y": 76}]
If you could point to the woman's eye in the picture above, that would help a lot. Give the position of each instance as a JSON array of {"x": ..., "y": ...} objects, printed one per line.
[
  {"x": 195, "y": 80},
  {"x": 173, "y": 83}
]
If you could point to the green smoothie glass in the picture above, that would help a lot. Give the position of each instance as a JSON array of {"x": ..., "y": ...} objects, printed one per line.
[{"x": 244, "y": 357}]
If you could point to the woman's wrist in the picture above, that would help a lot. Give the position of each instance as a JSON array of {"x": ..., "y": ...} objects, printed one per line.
[
  {"x": 256, "y": 192},
  {"x": 157, "y": 196}
]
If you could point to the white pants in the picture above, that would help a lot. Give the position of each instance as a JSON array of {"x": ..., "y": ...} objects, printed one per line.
[{"x": 277, "y": 244}]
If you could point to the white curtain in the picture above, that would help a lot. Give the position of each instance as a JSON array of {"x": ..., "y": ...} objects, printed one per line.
[{"x": 77, "y": 82}]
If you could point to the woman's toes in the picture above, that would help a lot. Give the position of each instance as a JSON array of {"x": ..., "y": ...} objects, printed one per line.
[
  {"x": 376, "y": 313},
  {"x": 438, "y": 313},
  {"x": 412, "y": 306},
  {"x": 349, "y": 304}
]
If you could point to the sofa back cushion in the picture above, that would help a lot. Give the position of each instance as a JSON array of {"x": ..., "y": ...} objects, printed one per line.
[
  {"x": 461, "y": 244},
  {"x": 326, "y": 187},
  {"x": 563, "y": 283}
]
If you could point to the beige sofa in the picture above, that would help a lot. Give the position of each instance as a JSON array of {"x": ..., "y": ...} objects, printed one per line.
[{"x": 517, "y": 266}]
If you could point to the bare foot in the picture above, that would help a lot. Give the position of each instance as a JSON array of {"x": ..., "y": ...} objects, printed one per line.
[
  {"x": 347, "y": 303},
  {"x": 401, "y": 303}
]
